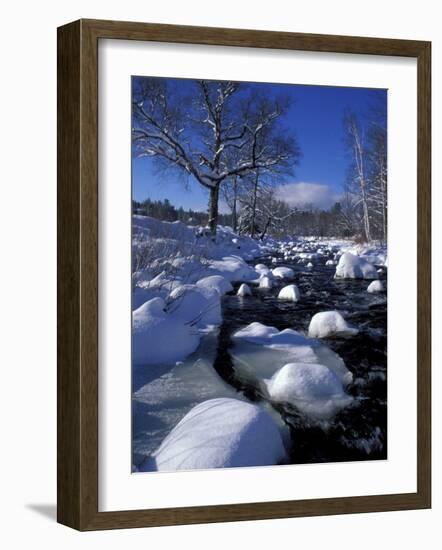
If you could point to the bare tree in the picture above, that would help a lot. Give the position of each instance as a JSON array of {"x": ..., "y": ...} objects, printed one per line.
[
  {"x": 230, "y": 192},
  {"x": 358, "y": 173},
  {"x": 196, "y": 134},
  {"x": 377, "y": 139}
]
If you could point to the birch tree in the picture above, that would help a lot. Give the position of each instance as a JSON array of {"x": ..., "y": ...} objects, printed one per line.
[{"x": 358, "y": 173}]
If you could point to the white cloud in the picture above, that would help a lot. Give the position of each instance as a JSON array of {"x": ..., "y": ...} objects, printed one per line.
[{"x": 305, "y": 193}]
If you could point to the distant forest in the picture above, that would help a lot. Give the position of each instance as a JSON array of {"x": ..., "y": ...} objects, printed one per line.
[{"x": 309, "y": 221}]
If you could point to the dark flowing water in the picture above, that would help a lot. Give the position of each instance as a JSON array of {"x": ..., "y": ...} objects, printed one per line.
[{"x": 358, "y": 432}]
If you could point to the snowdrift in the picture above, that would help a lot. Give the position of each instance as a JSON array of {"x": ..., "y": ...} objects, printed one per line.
[{"x": 153, "y": 330}]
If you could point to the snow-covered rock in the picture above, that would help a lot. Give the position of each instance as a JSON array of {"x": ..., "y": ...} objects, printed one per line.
[
  {"x": 262, "y": 269},
  {"x": 221, "y": 284},
  {"x": 283, "y": 273},
  {"x": 376, "y": 286},
  {"x": 244, "y": 290},
  {"x": 219, "y": 433},
  {"x": 329, "y": 262},
  {"x": 260, "y": 352},
  {"x": 265, "y": 282},
  {"x": 309, "y": 264},
  {"x": 311, "y": 387},
  {"x": 329, "y": 324},
  {"x": 153, "y": 330},
  {"x": 354, "y": 267},
  {"x": 290, "y": 293},
  {"x": 198, "y": 305},
  {"x": 304, "y": 381}
]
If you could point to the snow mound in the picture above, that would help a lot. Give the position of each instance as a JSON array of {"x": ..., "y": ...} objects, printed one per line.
[
  {"x": 290, "y": 293},
  {"x": 232, "y": 268},
  {"x": 329, "y": 324},
  {"x": 260, "y": 351},
  {"x": 153, "y": 330},
  {"x": 283, "y": 273},
  {"x": 304, "y": 381},
  {"x": 221, "y": 284},
  {"x": 244, "y": 290},
  {"x": 265, "y": 282},
  {"x": 262, "y": 269},
  {"x": 219, "y": 433},
  {"x": 312, "y": 388},
  {"x": 354, "y": 267},
  {"x": 329, "y": 262},
  {"x": 375, "y": 286},
  {"x": 199, "y": 306},
  {"x": 309, "y": 264}
]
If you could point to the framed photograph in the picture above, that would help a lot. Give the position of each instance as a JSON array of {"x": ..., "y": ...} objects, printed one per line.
[{"x": 243, "y": 275}]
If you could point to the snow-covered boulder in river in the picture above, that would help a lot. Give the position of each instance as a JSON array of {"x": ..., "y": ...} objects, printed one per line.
[
  {"x": 311, "y": 387},
  {"x": 260, "y": 352},
  {"x": 290, "y": 293},
  {"x": 330, "y": 324},
  {"x": 244, "y": 290},
  {"x": 262, "y": 269},
  {"x": 283, "y": 273},
  {"x": 354, "y": 267},
  {"x": 375, "y": 286},
  {"x": 265, "y": 282},
  {"x": 221, "y": 284},
  {"x": 153, "y": 330},
  {"x": 220, "y": 433}
]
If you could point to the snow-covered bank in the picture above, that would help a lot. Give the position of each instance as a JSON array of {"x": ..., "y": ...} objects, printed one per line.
[{"x": 181, "y": 275}]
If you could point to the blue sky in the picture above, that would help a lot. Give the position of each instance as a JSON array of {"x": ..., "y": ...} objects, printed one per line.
[{"x": 315, "y": 118}]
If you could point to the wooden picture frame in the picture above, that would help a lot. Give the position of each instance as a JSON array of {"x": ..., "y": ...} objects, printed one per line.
[{"x": 78, "y": 274}]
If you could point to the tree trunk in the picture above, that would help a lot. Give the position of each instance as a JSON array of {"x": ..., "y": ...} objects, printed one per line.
[
  {"x": 263, "y": 234},
  {"x": 255, "y": 197},
  {"x": 234, "y": 206},
  {"x": 366, "y": 214},
  {"x": 213, "y": 209}
]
